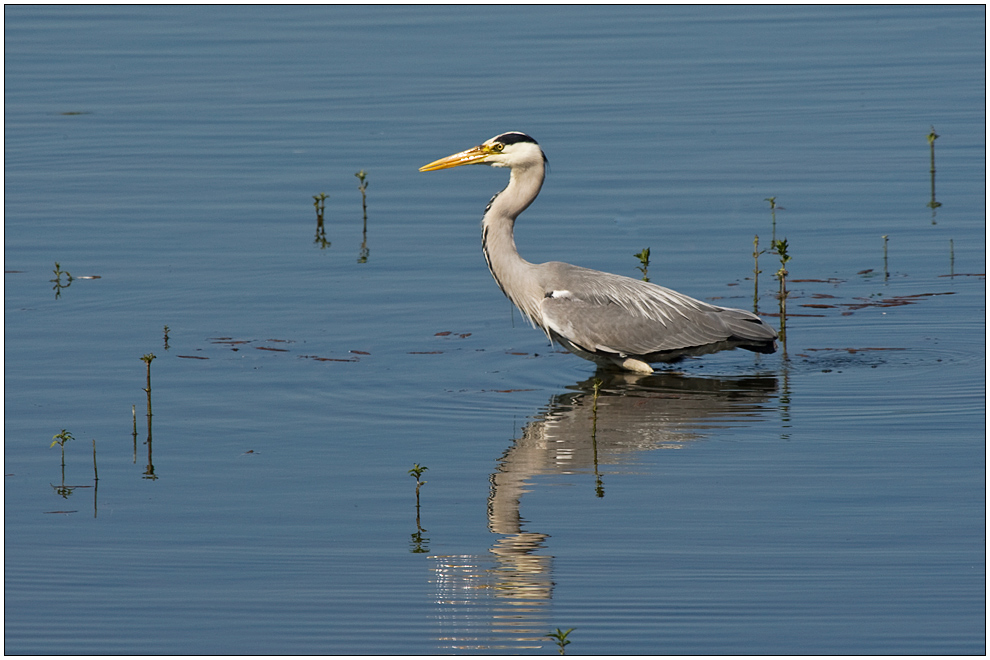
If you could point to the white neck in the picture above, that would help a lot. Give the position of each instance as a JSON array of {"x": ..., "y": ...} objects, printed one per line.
[{"x": 513, "y": 274}]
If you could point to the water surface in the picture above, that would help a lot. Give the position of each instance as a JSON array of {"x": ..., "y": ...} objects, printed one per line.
[{"x": 826, "y": 499}]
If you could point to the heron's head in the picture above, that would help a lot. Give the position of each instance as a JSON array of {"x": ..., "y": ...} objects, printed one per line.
[{"x": 511, "y": 149}]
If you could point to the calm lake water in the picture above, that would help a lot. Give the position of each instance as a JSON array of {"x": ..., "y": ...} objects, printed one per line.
[{"x": 829, "y": 498}]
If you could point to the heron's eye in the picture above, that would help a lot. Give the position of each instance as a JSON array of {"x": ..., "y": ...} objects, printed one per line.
[{"x": 498, "y": 146}]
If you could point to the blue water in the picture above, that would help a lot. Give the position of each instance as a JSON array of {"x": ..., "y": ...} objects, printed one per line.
[{"x": 829, "y": 498}]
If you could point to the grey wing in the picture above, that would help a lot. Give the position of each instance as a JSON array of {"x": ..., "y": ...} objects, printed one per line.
[{"x": 601, "y": 312}]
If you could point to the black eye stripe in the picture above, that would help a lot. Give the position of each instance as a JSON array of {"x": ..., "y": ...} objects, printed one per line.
[{"x": 513, "y": 138}]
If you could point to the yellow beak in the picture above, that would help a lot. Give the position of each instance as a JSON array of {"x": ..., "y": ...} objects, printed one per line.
[{"x": 473, "y": 155}]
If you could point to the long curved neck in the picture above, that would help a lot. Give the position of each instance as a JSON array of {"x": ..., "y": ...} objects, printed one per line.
[{"x": 513, "y": 274}]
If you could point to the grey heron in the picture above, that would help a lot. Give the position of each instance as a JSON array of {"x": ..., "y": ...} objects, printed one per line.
[{"x": 609, "y": 319}]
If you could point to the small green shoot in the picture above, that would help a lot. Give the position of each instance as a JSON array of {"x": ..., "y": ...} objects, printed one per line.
[
  {"x": 416, "y": 472},
  {"x": 363, "y": 186},
  {"x": 58, "y": 280},
  {"x": 147, "y": 360},
  {"x": 59, "y": 273},
  {"x": 780, "y": 248},
  {"x": 931, "y": 146},
  {"x": 560, "y": 637},
  {"x": 60, "y": 439},
  {"x": 756, "y": 273},
  {"x": 644, "y": 260},
  {"x": 886, "y": 272}
]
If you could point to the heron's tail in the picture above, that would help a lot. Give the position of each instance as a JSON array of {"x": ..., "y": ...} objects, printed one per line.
[{"x": 747, "y": 326}]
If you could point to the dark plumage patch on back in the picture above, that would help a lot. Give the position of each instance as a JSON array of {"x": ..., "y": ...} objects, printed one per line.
[{"x": 513, "y": 137}]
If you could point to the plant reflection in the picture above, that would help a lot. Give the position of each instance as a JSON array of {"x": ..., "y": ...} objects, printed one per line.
[
  {"x": 419, "y": 543},
  {"x": 320, "y": 203},
  {"x": 933, "y": 205},
  {"x": 501, "y": 600},
  {"x": 149, "y": 472},
  {"x": 363, "y": 187}
]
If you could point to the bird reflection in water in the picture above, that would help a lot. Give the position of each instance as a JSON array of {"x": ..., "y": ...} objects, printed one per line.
[{"x": 501, "y": 599}]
